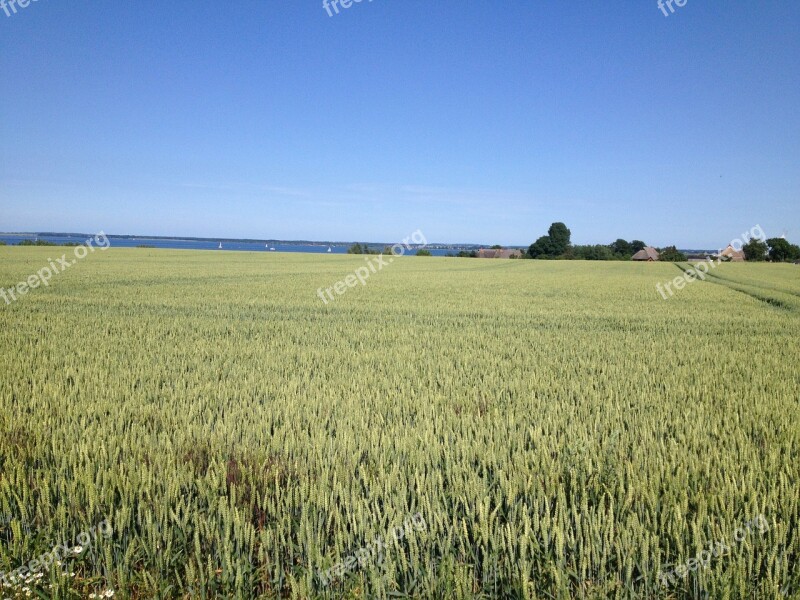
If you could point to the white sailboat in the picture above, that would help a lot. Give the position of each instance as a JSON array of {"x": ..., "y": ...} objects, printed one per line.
[
  {"x": 330, "y": 249},
  {"x": 220, "y": 245}
]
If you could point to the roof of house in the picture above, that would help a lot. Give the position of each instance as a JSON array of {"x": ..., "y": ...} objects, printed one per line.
[
  {"x": 732, "y": 254},
  {"x": 646, "y": 253}
]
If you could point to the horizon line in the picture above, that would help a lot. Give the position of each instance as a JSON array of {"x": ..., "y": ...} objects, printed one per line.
[{"x": 265, "y": 240}]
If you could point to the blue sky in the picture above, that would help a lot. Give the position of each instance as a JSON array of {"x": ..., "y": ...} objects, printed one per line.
[{"x": 472, "y": 121}]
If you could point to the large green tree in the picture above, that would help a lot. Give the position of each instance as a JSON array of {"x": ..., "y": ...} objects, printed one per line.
[
  {"x": 782, "y": 251},
  {"x": 755, "y": 250},
  {"x": 671, "y": 254},
  {"x": 552, "y": 245},
  {"x": 559, "y": 238},
  {"x": 541, "y": 248},
  {"x": 622, "y": 247}
]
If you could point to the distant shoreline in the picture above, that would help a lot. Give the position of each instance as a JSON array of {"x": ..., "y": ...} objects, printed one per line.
[
  {"x": 215, "y": 240},
  {"x": 340, "y": 244}
]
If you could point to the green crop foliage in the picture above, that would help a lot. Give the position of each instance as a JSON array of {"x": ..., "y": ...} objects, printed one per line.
[{"x": 563, "y": 430}]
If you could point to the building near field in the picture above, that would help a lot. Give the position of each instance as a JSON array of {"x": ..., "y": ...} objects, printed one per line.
[
  {"x": 646, "y": 254},
  {"x": 731, "y": 255}
]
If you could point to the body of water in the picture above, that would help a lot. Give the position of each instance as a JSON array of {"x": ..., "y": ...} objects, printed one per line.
[{"x": 179, "y": 244}]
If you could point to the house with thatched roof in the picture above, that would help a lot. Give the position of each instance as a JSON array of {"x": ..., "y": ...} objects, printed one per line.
[
  {"x": 498, "y": 253},
  {"x": 646, "y": 254},
  {"x": 731, "y": 255}
]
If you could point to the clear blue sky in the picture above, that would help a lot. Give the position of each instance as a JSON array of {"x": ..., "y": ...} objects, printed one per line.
[{"x": 472, "y": 121}]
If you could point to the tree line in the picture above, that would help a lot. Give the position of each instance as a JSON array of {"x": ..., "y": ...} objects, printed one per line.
[
  {"x": 557, "y": 245},
  {"x": 772, "y": 250}
]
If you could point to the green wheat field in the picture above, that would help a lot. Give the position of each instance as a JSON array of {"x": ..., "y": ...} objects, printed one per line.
[{"x": 556, "y": 429}]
